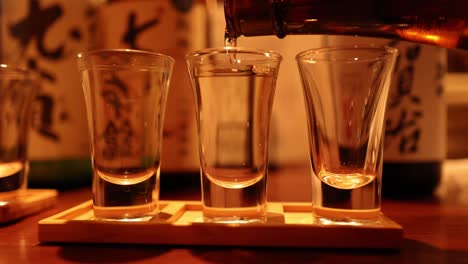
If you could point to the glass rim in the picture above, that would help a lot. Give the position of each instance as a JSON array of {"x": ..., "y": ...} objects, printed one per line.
[
  {"x": 268, "y": 55},
  {"x": 384, "y": 50},
  {"x": 82, "y": 56}
]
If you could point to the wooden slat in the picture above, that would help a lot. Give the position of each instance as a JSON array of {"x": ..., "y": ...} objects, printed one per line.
[
  {"x": 70, "y": 214},
  {"x": 173, "y": 210}
]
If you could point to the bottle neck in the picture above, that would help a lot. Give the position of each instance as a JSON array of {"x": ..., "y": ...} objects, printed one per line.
[
  {"x": 248, "y": 18},
  {"x": 437, "y": 22}
]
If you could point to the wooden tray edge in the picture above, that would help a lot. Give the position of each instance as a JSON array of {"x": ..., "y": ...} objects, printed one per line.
[
  {"x": 56, "y": 230},
  {"x": 38, "y": 200}
]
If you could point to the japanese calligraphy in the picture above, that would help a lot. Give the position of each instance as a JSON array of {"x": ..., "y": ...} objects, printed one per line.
[
  {"x": 30, "y": 32},
  {"x": 133, "y": 31},
  {"x": 118, "y": 133},
  {"x": 405, "y": 126},
  {"x": 34, "y": 27}
]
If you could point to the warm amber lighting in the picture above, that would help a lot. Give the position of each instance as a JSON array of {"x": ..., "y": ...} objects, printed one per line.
[
  {"x": 447, "y": 39},
  {"x": 432, "y": 37},
  {"x": 410, "y": 33},
  {"x": 10, "y": 168}
]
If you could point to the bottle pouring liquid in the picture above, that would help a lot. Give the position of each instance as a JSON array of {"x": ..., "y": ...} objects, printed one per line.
[
  {"x": 437, "y": 22},
  {"x": 442, "y": 23}
]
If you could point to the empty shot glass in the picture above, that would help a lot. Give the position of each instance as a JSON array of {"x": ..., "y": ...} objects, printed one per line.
[
  {"x": 234, "y": 90},
  {"x": 345, "y": 90},
  {"x": 125, "y": 93},
  {"x": 17, "y": 93}
]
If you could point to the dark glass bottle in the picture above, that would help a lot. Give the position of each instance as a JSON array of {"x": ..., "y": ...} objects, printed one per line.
[
  {"x": 44, "y": 37},
  {"x": 439, "y": 22},
  {"x": 416, "y": 131},
  {"x": 416, "y": 118}
]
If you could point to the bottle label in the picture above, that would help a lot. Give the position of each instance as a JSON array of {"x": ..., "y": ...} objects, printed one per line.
[
  {"x": 173, "y": 28},
  {"x": 415, "y": 124},
  {"x": 416, "y": 115},
  {"x": 44, "y": 36}
]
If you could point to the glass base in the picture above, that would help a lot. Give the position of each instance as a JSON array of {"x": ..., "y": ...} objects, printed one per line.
[
  {"x": 137, "y": 219},
  {"x": 244, "y": 215},
  {"x": 332, "y": 216},
  {"x": 234, "y": 220},
  {"x": 126, "y": 213}
]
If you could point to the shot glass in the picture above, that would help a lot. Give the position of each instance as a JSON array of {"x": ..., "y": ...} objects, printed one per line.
[
  {"x": 345, "y": 90},
  {"x": 234, "y": 90},
  {"x": 17, "y": 93},
  {"x": 125, "y": 93}
]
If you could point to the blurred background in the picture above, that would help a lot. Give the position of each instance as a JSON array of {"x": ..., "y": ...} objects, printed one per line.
[{"x": 46, "y": 35}]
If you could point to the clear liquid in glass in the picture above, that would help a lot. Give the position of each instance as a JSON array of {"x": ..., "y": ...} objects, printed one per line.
[
  {"x": 234, "y": 109},
  {"x": 125, "y": 192},
  {"x": 12, "y": 176}
]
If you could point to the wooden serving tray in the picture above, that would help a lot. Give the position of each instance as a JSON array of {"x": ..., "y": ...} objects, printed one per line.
[
  {"x": 15, "y": 205},
  {"x": 180, "y": 223}
]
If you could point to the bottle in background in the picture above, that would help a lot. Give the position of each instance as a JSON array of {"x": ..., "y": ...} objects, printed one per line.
[
  {"x": 415, "y": 135},
  {"x": 45, "y": 36},
  {"x": 288, "y": 130},
  {"x": 415, "y": 128},
  {"x": 174, "y": 28}
]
